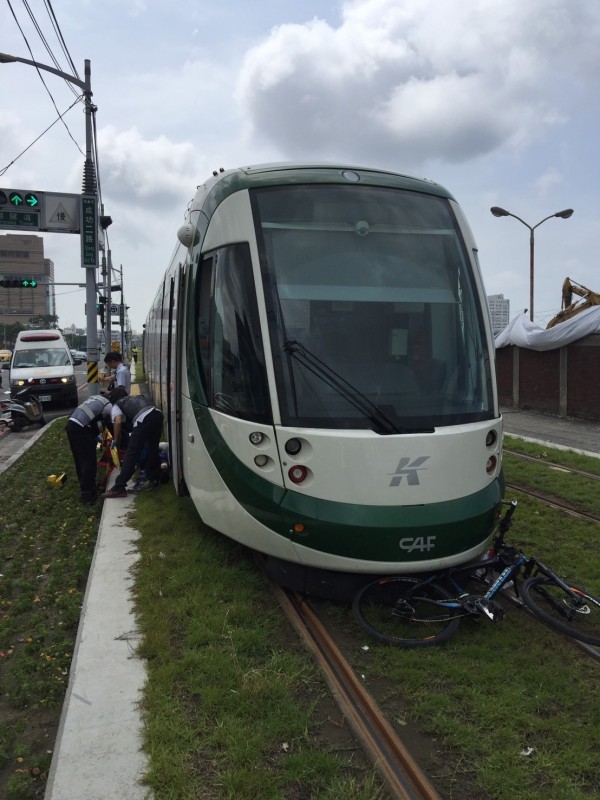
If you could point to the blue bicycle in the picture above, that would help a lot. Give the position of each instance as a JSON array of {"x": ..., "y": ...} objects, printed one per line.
[{"x": 420, "y": 611}]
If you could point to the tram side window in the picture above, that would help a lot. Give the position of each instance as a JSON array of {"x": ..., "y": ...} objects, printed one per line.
[{"x": 229, "y": 335}]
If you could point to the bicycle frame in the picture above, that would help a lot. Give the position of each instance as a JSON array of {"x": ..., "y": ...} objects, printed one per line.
[
  {"x": 519, "y": 566},
  {"x": 417, "y": 611}
]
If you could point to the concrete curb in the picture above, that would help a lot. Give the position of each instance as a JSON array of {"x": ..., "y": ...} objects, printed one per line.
[{"x": 97, "y": 753}]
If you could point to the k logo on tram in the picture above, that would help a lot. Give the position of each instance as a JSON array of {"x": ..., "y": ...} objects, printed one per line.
[{"x": 408, "y": 469}]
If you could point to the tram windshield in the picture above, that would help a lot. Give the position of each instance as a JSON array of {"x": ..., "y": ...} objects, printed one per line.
[{"x": 376, "y": 286}]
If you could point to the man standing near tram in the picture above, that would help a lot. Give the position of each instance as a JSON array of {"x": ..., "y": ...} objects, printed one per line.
[{"x": 122, "y": 376}]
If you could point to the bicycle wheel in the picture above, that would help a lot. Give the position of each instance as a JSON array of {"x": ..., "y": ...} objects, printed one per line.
[
  {"x": 403, "y": 612},
  {"x": 578, "y": 617}
]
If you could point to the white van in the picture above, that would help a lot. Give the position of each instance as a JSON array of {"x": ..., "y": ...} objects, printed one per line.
[{"x": 41, "y": 360}]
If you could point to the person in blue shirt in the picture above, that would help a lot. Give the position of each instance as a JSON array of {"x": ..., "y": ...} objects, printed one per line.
[{"x": 122, "y": 376}]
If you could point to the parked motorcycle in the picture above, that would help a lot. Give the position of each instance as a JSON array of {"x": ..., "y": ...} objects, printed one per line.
[{"x": 21, "y": 410}]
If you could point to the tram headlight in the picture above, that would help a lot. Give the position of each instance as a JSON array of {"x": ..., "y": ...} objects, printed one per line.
[
  {"x": 293, "y": 447},
  {"x": 490, "y": 466},
  {"x": 256, "y": 437},
  {"x": 491, "y": 438},
  {"x": 297, "y": 474},
  {"x": 261, "y": 460}
]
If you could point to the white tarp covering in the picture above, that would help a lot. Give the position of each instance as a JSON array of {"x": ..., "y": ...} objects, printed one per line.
[{"x": 523, "y": 333}]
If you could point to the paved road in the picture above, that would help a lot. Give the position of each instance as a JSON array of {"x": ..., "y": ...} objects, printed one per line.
[
  {"x": 561, "y": 432},
  {"x": 12, "y": 444}
]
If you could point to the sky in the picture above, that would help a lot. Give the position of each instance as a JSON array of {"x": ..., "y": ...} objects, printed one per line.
[{"x": 497, "y": 100}]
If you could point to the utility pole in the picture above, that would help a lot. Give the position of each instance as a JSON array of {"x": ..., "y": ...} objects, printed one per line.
[
  {"x": 109, "y": 305},
  {"x": 88, "y": 209},
  {"x": 122, "y": 311},
  {"x": 89, "y": 189}
]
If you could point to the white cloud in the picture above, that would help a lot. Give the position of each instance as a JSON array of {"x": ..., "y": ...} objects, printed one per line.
[
  {"x": 151, "y": 171},
  {"x": 443, "y": 81}
]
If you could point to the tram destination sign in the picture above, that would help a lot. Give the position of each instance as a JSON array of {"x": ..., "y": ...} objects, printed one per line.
[{"x": 53, "y": 212}]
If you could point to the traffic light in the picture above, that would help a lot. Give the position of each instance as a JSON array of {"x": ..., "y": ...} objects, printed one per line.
[
  {"x": 100, "y": 309},
  {"x": 16, "y": 283},
  {"x": 19, "y": 198}
]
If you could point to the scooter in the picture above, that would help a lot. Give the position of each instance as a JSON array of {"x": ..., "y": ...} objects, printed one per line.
[{"x": 24, "y": 409}]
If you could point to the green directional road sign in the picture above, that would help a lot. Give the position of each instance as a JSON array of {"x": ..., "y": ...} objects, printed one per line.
[{"x": 89, "y": 231}]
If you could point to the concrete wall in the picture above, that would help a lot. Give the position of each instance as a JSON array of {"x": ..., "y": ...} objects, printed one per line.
[{"x": 565, "y": 382}]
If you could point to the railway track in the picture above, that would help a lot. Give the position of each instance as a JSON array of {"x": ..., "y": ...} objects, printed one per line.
[
  {"x": 402, "y": 775},
  {"x": 553, "y": 502},
  {"x": 552, "y": 465}
]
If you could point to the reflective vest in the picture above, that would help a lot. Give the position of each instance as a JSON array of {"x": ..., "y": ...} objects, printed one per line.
[
  {"x": 132, "y": 407},
  {"x": 91, "y": 410}
]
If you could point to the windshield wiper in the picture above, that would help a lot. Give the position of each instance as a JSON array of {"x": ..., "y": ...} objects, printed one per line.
[{"x": 382, "y": 423}]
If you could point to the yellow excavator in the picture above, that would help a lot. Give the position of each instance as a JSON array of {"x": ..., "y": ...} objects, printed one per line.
[{"x": 570, "y": 308}]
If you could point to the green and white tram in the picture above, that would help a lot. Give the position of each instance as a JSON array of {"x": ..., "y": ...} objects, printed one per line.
[{"x": 321, "y": 347}]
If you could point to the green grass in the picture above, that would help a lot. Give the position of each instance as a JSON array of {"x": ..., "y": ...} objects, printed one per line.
[
  {"x": 567, "y": 458},
  {"x": 232, "y": 696},
  {"x": 47, "y": 540},
  {"x": 234, "y": 707},
  {"x": 490, "y": 694},
  {"x": 543, "y": 476}
]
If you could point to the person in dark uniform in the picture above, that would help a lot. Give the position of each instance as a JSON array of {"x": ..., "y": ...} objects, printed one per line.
[
  {"x": 145, "y": 423},
  {"x": 82, "y": 431}
]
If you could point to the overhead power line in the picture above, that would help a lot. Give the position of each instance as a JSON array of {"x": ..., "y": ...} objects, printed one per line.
[
  {"x": 39, "y": 72},
  {"x": 59, "y": 36}
]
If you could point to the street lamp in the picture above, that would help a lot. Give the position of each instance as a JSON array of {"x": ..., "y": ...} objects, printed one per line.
[
  {"x": 501, "y": 212},
  {"x": 88, "y": 188}
]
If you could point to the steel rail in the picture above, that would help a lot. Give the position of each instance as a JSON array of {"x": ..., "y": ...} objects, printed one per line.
[
  {"x": 553, "y": 503},
  {"x": 552, "y": 465},
  {"x": 403, "y": 777}
]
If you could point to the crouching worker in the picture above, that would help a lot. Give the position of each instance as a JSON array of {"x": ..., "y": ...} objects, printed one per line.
[
  {"x": 145, "y": 423},
  {"x": 82, "y": 430}
]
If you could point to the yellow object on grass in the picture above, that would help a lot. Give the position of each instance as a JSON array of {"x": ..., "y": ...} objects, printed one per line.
[{"x": 58, "y": 480}]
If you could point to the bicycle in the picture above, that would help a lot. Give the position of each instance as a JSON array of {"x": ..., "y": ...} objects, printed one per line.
[{"x": 418, "y": 611}]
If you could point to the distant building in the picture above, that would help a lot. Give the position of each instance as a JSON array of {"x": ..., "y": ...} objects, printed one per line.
[
  {"x": 22, "y": 258},
  {"x": 499, "y": 312}
]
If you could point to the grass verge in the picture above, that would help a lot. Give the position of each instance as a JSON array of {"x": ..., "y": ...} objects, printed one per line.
[
  {"x": 47, "y": 540},
  {"x": 234, "y": 706}
]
